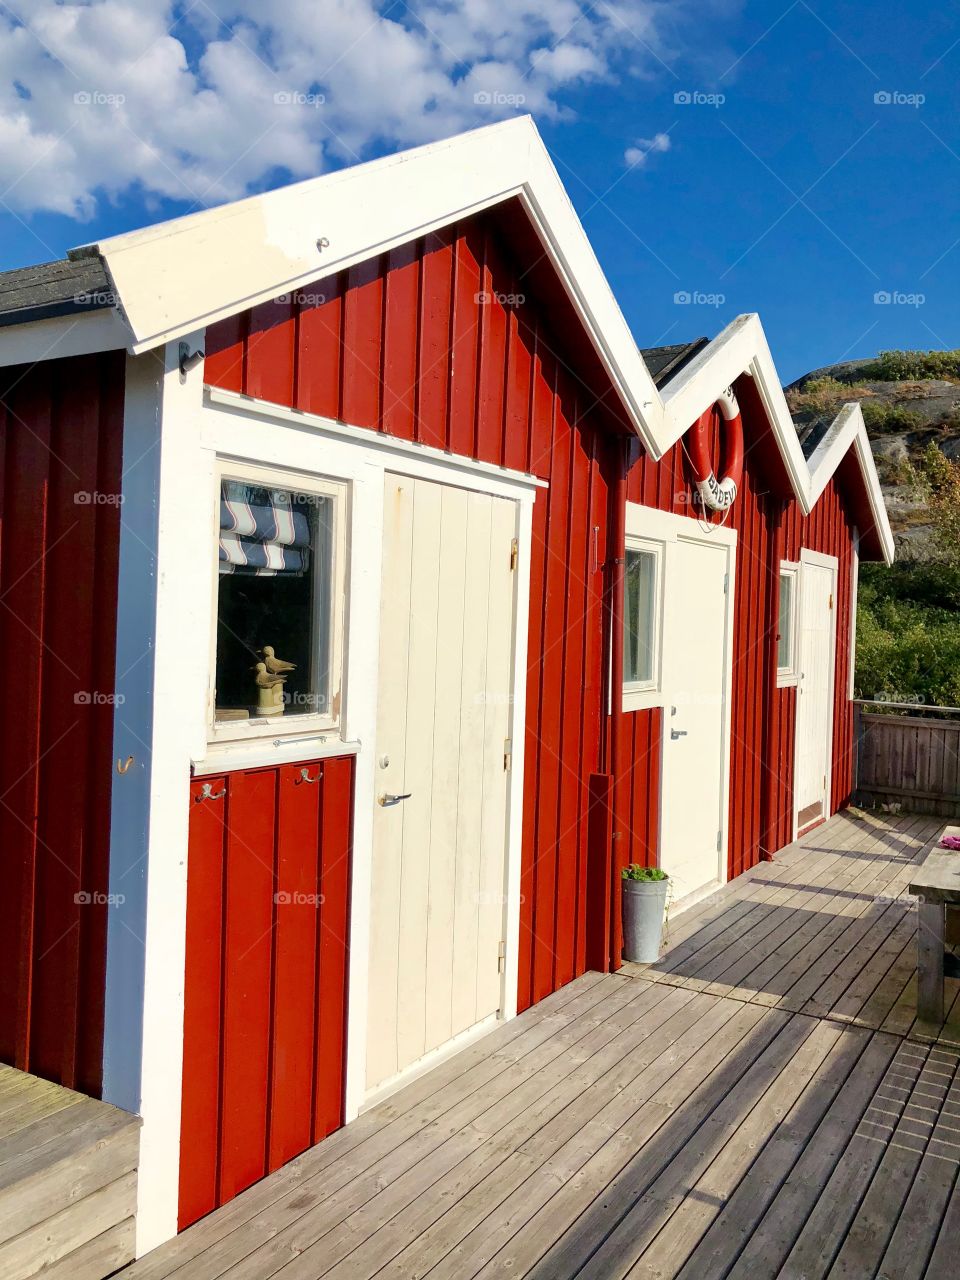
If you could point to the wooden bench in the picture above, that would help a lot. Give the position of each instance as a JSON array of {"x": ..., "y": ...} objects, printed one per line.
[{"x": 936, "y": 884}]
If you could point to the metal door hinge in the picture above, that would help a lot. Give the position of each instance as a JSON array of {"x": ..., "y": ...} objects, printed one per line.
[
  {"x": 514, "y": 554},
  {"x": 831, "y": 599},
  {"x": 719, "y": 841},
  {"x": 501, "y": 957},
  {"x": 507, "y": 754},
  {"x": 726, "y": 583}
]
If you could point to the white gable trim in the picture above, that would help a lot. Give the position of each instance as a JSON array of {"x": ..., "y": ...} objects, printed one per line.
[{"x": 176, "y": 277}]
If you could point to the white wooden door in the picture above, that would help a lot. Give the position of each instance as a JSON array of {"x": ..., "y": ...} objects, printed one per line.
[
  {"x": 439, "y": 854},
  {"x": 694, "y": 742},
  {"x": 815, "y": 689}
]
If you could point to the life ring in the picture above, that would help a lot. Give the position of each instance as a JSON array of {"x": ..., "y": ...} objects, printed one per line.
[{"x": 718, "y": 495}]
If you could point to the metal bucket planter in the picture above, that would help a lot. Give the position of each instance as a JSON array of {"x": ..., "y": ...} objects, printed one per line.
[{"x": 643, "y": 907}]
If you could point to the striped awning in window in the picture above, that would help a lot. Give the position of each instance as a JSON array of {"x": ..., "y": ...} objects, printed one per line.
[{"x": 263, "y": 532}]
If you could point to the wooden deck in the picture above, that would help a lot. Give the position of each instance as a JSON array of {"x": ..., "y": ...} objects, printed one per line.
[
  {"x": 68, "y": 1182},
  {"x": 756, "y": 1105}
]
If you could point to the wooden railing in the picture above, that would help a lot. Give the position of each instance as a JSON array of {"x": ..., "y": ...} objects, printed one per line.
[{"x": 909, "y": 760}]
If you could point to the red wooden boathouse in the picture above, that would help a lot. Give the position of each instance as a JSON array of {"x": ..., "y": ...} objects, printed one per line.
[{"x": 388, "y": 430}]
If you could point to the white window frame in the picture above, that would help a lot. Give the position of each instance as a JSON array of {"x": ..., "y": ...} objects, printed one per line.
[
  {"x": 789, "y": 676},
  {"x": 280, "y": 728},
  {"x": 641, "y": 695}
]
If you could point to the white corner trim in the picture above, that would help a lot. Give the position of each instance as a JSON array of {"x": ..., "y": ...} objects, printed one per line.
[{"x": 163, "y": 608}]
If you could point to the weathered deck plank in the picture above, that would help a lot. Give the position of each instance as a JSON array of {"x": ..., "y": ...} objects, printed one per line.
[
  {"x": 751, "y": 1107},
  {"x": 67, "y": 1177}
]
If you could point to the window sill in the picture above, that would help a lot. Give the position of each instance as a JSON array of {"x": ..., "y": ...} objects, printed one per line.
[
  {"x": 261, "y": 754},
  {"x": 642, "y": 699},
  {"x": 787, "y": 679}
]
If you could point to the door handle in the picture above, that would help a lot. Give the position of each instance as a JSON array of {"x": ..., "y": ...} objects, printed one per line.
[
  {"x": 678, "y": 733},
  {"x": 387, "y": 799}
]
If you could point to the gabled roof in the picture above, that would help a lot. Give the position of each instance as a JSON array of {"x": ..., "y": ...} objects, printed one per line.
[
  {"x": 664, "y": 362},
  {"x": 53, "y": 289},
  {"x": 175, "y": 278}
]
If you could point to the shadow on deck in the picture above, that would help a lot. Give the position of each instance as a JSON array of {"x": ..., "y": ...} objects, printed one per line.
[{"x": 655, "y": 1127}]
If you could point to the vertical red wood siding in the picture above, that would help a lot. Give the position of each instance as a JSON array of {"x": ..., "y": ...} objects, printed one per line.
[
  {"x": 769, "y": 528},
  {"x": 61, "y": 434},
  {"x": 265, "y": 982},
  {"x": 435, "y": 342}
]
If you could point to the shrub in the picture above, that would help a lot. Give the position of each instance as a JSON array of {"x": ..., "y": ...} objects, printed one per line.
[
  {"x": 891, "y": 418},
  {"x": 820, "y": 395},
  {"x": 635, "y": 872},
  {"x": 913, "y": 366}
]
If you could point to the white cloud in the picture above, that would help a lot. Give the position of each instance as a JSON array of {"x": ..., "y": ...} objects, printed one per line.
[
  {"x": 636, "y": 157},
  {"x": 205, "y": 102}
]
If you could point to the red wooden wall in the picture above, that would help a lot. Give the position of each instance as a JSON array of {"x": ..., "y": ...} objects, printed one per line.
[
  {"x": 61, "y": 425},
  {"x": 265, "y": 984},
  {"x": 770, "y": 528},
  {"x": 434, "y": 342}
]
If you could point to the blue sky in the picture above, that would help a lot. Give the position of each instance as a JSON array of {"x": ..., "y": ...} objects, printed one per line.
[{"x": 798, "y": 159}]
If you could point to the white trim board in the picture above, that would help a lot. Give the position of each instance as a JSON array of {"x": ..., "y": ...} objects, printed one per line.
[
  {"x": 667, "y": 527},
  {"x": 172, "y": 443},
  {"x": 822, "y": 561}
]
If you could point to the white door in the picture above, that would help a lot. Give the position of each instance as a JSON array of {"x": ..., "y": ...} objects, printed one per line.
[
  {"x": 440, "y": 823},
  {"x": 818, "y": 576},
  {"x": 695, "y": 657}
]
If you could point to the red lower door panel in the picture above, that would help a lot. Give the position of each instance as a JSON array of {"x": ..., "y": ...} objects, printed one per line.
[{"x": 266, "y": 971}]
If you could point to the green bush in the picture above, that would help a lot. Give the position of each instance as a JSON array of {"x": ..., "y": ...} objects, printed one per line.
[
  {"x": 891, "y": 418},
  {"x": 913, "y": 366},
  {"x": 636, "y": 872},
  {"x": 823, "y": 395},
  {"x": 908, "y": 633}
]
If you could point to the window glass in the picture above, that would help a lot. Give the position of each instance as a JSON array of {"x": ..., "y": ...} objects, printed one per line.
[
  {"x": 274, "y": 607},
  {"x": 639, "y": 616},
  {"x": 785, "y": 625}
]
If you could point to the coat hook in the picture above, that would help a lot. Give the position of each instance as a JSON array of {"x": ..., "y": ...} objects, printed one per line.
[
  {"x": 207, "y": 793},
  {"x": 305, "y": 777},
  {"x": 124, "y": 765}
]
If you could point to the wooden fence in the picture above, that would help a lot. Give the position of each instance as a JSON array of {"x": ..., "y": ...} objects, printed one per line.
[{"x": 909, "y": 760}]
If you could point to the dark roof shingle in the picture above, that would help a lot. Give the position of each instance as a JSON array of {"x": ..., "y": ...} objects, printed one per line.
[{"x": 54, "y": 289}]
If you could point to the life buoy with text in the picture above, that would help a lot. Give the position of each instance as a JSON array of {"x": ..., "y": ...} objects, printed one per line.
[{"x": 718, "y": 495}]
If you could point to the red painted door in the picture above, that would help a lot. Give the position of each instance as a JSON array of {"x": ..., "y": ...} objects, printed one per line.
[{"x": 266, "y": 969}]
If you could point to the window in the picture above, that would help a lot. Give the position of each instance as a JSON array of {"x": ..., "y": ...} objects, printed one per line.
[
  {"x": 787, "y": 625},
  {"x": 640, "y": 618},
  {"x": 279, "y": 605}
]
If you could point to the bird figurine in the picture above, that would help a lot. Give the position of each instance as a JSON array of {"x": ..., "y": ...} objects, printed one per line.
[
  {"x": 276, "y": 666},
  {"x": 270, "y": 690}
]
